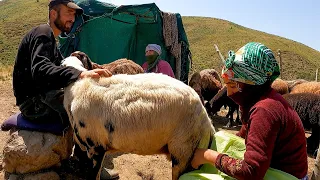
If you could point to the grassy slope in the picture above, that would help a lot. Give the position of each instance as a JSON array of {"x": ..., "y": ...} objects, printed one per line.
[
  {"x": 299, "y": 61},
  {"x": 16, "y": 18}
]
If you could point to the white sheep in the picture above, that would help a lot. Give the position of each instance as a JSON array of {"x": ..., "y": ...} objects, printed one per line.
[{"x": 143, "y": 114}]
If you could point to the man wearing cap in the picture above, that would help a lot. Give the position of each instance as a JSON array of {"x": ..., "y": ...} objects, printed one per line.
[
  {"x": 38, "y": 77},
  {"x": 154, "y": 63}
]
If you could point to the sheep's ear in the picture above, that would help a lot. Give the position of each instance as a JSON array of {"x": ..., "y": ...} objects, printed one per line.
[
  {"x": 89, "y": 62},
  {"x": 195, "y": 78},
  {"x": 62, "y": 62}
]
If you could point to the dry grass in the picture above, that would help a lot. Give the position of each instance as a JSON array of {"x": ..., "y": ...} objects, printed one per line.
[
  {"x": 5, "y": 73},
  {"x": 299, "y": 61},
  {"x": 17, "y": 17}
]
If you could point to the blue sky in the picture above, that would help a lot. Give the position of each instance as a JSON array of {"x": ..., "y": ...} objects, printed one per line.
[{"x": 296, "y": 20}]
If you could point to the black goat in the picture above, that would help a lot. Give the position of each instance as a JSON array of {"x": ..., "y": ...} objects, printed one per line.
[
  {"x": 219, "y": 100},
  {"x": 307, "y": 105}
]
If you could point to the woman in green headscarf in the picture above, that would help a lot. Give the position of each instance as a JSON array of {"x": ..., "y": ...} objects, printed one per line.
[{"x": 273, "y": 132}]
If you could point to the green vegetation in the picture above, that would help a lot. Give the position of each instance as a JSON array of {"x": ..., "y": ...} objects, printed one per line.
[{"x": 299, "y": 61}]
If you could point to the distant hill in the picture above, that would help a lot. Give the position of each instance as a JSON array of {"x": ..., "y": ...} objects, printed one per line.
[{"x": 299, "y": 61}]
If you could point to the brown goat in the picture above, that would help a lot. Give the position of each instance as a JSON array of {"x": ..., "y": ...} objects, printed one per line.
[
  {"x": 280, "y": 86},
  {"x": 308, "y": 87},
  {"x": 307, "y": 105},
  {"x": 206, "y": 83},
  {"x": 293, "y": 83},
  {"x": 120, "y": 66}
]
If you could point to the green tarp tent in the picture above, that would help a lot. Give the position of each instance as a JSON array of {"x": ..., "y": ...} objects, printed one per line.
[{"x": 107, "y": 32}]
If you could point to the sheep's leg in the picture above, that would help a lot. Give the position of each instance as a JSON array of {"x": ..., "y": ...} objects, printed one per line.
[
  {"x": 230, "y": 122},
  {"x": 97, "y": 159},
  {"x": 229, "y": 113},
  {"x": 316, "y": 171},
  {"x": 181, "y": 154},
  {"x": 313, "y": 140},
  {"x": 208, "y": 108},
  {"x": 97, "y": 155},
  {"x": 238, "y": 117}
]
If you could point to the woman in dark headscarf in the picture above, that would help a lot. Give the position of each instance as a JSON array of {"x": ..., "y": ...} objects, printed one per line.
[
  {"x": 154, "y": 63},
  {"x": 273, "y": 132}
]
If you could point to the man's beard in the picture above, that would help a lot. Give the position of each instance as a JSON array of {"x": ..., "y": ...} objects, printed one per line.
[{"x": 62, "y": 27}]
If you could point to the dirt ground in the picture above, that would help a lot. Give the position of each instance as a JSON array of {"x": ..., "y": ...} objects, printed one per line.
[{"x": 129, "y": 166}]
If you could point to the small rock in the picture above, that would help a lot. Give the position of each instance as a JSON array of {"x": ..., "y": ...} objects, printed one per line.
[
  {"x": 30, "y": 151},
  {"x": 13, "y": 177},
  {"x": 43, "y": 176}
]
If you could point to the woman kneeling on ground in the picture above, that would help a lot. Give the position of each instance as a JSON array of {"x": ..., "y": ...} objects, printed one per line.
[{"x": 273, "y": 132}]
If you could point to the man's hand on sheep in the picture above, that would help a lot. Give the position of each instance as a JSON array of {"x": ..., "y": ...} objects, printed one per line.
[
  {"x": 96, "y": 73},
  {"x": 75, "y": 62}
]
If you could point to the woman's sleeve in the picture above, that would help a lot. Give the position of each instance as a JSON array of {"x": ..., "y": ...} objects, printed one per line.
[
  {"x": 260, "y": 141},
  {"x": 243, "y": 131}
]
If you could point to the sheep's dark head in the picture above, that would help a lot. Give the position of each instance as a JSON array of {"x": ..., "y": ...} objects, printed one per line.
[
  {"x": 87, "y": 63},
  {"x": 220, "y": 99},
  {"x": 195, "y": 83},
  {"x": 198, "y": 90}
]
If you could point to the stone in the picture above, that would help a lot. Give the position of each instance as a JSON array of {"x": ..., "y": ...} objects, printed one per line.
[
  {"x": 42, "y": 176},
  {"x": 13, "y": 177},
  {"x": 31, "y": 151},
  {"x": 34, "y": 176}
]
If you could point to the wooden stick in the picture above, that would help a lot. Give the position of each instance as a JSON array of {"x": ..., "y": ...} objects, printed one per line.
[
  {"x": 280, "y": 64},
  {"x": 218, "y": 51}
]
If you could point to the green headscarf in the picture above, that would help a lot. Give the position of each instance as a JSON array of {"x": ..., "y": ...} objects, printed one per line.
[{"x": 252, "y": 64}]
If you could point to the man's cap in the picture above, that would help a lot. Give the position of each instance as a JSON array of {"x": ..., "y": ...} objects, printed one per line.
[{"x": 68, "y": 3}]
